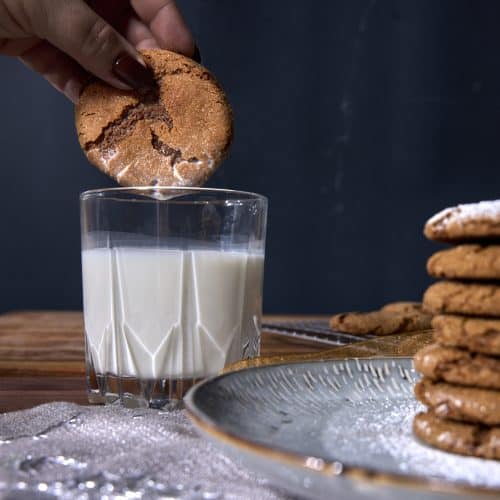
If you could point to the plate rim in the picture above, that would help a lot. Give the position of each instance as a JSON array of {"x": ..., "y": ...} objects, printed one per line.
[{"x": 330, "y": 468}]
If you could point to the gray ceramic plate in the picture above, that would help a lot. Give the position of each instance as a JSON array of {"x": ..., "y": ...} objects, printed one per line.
[{"x": 334, "y": 429}]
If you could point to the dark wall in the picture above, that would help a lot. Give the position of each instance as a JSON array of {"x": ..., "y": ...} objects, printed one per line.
[{"x": 358, "y": 119}]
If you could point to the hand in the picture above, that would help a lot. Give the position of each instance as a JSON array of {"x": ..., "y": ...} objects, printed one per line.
[{"x": 64, "y": 40}]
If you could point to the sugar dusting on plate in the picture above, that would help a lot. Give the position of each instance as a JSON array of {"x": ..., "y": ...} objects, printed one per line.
[{"x": 383, "y": 431}]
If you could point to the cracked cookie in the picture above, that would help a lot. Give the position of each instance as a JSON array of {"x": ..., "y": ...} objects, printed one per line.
[
  {"x": 397, "y": 317},
  {"x": 463, "y": 298},
  {"x": 458, "y": 366},
  {"x": 174, "y": 135},
  {"x": 471, "y": 221},
  {"x": 466, "y": 262},
  {"x": 464, "y": 439},
  {"x": 468, "y": 404},
  {"x": 475, "y": 334}
]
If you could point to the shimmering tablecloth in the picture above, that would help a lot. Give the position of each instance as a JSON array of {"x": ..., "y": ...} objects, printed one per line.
[{"x": 70, "y": 451}]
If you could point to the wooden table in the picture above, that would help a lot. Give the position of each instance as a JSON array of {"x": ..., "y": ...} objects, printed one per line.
[{"x": 42, "y": 353}]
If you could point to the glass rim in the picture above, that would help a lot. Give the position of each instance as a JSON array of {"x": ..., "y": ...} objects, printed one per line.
[{"x": 247, "y": 196}]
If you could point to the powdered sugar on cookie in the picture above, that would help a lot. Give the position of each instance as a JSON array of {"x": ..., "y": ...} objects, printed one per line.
[{"x": 465, "y": 222}]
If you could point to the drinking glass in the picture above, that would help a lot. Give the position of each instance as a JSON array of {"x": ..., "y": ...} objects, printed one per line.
[{"x": 172, "y": 288}]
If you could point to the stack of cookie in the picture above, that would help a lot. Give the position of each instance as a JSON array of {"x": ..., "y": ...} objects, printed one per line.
[{"x": 461, "y": 370}]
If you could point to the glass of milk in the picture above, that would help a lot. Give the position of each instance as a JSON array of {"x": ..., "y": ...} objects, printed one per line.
[{"x": 172, "y": 288}]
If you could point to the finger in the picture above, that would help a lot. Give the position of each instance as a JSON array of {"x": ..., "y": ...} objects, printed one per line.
[
  {"x": 121, "y": 15},
  {"x": 138, "y": 34},
  {"x": 15, "y": 47},
  {"x": 77, "y": 30},
  {"x": 62, "y": 72},
  {"x": 111, "y": 9},
  {"x": 166, "y": 24}
]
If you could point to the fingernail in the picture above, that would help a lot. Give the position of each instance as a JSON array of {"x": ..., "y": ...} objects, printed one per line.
[
  {"x": 132, "y": 72},
  {"x": 196, "y": 55}
]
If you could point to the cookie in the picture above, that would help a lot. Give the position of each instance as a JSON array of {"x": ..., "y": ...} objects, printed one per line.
[
  {"x": 466, "y": 262},
  {"x": 475, "y": 334},
  {"x": 456, "y": 437},
  {"x": 467, "y": 404},
  {"x": 463, "y": 298},
  {"x": 383, "y": 322},
  {"x": 473, "y": 221},
  {"x": 458, "y": 366},
  {"x": 403, "y": 307},
  {"x": 174, "y": 135}
]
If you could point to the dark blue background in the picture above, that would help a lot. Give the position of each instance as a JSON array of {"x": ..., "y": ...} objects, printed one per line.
[{"x": 358, "y": 119}]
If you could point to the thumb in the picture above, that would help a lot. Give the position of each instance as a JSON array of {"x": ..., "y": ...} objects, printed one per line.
[{"x": 73, "y": 27}]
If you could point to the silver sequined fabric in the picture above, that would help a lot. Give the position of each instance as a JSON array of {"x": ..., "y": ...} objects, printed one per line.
[{"x": 64, "y": 450}]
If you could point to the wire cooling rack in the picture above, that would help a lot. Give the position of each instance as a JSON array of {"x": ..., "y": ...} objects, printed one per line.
[{"x": 312, "y": 331}]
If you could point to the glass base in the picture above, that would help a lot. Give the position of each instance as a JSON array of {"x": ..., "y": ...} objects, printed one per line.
[{"x": 131, "y": 392}]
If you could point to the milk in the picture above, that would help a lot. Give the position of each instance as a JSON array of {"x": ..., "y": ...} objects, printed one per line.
[{"x": 155, "y": 313}]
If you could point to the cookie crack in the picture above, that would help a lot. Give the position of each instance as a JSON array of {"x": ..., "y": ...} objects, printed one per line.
[
  {"x": 150, "y": 108},
  {"x": 479, "y": 436},
  {"x": 441, "y": 223},
  {"x": 455, "y": 295},
  {"x": 443, "y": 367},
  {"x": 489, "y": 293},
  {"x": 165, "y": 149},
  {"x": 186, "y": 70},
  {"x": 404, "y": 325}
]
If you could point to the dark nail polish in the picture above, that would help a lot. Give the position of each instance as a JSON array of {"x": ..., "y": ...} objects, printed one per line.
[
  {"x": 132, "y": 72},
  {"x": 196, "y": 55}
]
